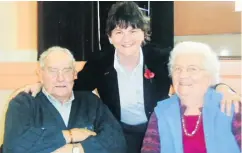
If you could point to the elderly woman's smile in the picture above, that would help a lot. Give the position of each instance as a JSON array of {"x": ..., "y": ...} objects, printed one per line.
[{"x": 190, "y": 77}]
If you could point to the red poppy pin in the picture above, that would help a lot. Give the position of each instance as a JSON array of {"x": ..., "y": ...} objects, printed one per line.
[{"x": 148, "y": 73}]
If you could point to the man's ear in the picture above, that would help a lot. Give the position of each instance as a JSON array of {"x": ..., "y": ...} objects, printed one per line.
[
  {"x": 75, "y": 71},
  {"x": 39, "y": 73},
  {"x": 75, "y": 74}
]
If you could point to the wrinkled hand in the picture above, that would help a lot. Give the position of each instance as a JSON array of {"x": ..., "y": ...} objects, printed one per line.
[
  {"x": 228, "y": 101},
  {"x": 229, "y": 98},
  {"x": 33, "y": 88},
  {"x": 82, "y": 134},
  {"x": 64, "y": 149},
  {"x": 68, "y": 148}
]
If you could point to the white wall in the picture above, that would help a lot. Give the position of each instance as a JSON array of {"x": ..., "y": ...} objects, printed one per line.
[{"x": 223, "y": 44}]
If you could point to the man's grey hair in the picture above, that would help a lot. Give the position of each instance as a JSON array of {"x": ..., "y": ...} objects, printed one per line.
[
  {"x": 210, "y": 59},
  {"x": 45, "y": 54}
]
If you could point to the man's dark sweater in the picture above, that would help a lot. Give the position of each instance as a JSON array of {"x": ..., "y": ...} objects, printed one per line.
[{"x": 33, "y": 125}]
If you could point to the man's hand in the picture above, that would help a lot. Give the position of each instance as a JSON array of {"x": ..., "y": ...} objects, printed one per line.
[
  {"x": 68, "y": 148},
  {"x": 229, "y": 98},
  {"x": 67, "y": 135},
  {"x": 82, "y": 134},
  {"x": 65, "y": 149},
  {"x": 33, "y": 88}
]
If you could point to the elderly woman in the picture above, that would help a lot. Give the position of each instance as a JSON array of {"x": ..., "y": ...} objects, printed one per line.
[{"x": 191, "y": 121}]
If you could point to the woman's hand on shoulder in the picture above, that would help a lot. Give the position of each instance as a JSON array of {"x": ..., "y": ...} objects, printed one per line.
[
  {"x": 229, "y": 98},
  {"x": 34, "y": 89}
]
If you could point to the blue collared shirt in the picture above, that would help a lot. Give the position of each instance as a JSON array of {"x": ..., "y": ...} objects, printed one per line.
[
  {"x": 63, "y": 109},
  {"x": 131, "y": 92}
]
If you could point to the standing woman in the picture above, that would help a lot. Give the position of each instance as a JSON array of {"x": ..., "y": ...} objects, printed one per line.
[{"x": 132, "y": 78}]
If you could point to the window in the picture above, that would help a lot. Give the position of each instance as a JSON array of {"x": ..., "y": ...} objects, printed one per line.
[{"x": 238, "y": 5}]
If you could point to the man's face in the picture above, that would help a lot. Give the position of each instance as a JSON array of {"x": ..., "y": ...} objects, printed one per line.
[
  {"x": 127, "y": 41},
  {"x": 58, "y": 75}
]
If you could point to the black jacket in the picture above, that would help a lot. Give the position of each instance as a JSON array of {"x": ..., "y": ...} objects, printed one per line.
[{"x": 99, "y": 72}]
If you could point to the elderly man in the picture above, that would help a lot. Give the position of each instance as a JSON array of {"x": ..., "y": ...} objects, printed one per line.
[{"x": 59, "y": 120}]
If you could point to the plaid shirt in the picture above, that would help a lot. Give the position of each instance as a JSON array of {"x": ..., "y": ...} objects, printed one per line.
[{"x": 151, "y": 142}]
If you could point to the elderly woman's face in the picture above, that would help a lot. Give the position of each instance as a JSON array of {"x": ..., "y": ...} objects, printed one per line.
[
  {"x": 189, "y": 77},
  {"x": 127, "y": 41}
]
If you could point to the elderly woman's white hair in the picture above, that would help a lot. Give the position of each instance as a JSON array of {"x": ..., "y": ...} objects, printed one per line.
[
  {"x": 211, "y": 62},
  {"x": 45, "y": 54}
]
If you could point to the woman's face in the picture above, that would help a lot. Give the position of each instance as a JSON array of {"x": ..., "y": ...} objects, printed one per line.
[
  {"x": 127, "y": 41},
  {"x": 190, "y": 79}
]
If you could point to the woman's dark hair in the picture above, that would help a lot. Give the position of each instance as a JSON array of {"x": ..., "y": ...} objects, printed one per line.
[{"x": 125, "y": 14}]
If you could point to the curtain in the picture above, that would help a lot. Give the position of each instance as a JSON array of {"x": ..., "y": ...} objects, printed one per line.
[{"x": 72, "y": 25}]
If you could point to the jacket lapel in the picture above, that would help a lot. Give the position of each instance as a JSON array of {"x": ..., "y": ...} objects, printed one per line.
[
  {"x": 210, "y": 109},
  {"x": 74, "y": 113},
  {"x": 147, "y": 87},
  {"x": 112, "y": 78},
  {"x": 111, "y": 83},
  {"x": 148, "y": 84},
  {"x": 173, "y": 117},
  {"x": 53, "y": 112},
  {"x": 208, "y": 126}
]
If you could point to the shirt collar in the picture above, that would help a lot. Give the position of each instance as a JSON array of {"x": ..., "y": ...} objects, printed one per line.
[
  {"x": 117, "y": 65},
  {"x": 54, "y": 100}
]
